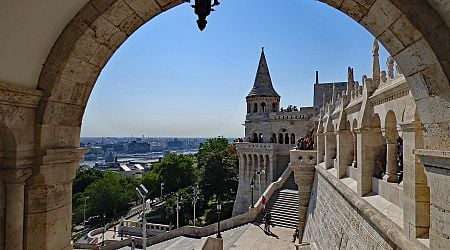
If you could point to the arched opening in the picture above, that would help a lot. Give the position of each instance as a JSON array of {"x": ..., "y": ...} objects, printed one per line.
[
  {"x": 391, "y": 137},
  {"x": 355, "y": 143},
  {"x": 273, "y": 139},
  {"x": 248, "y": 108},
  {"x": 415, "y": 45},
  {"x": 292, "y": 138},
  {"x": 286, "y": 138},
  {"x": 255, "y": 138},
  {"x": 255, "y": 107},
  {"x": 260, "y": 138},
  {"x": 263, "y": 107},
  {"x": 280, "y": 138},
  {"x": 274, "y": 107},
  {"x": 377, "y": 150}
]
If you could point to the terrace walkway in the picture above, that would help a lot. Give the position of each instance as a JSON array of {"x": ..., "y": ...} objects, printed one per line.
[{"x": 248, "y": 236}]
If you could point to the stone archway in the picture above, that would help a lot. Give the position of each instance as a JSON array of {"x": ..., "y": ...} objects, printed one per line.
[{"x": 416, "y": 34}]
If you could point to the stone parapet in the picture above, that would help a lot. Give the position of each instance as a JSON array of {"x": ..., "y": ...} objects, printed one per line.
[
  {"x": 302, "y": 164},
  {"x": 351, "y": 216}
]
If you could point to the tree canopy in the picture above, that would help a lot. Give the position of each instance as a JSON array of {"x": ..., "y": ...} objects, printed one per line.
[{"x": 177, "y": 171}]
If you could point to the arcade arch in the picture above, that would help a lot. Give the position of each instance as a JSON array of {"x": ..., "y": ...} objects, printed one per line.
[{"x": 99, "y": 28}]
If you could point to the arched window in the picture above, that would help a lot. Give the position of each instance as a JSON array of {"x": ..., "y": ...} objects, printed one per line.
[
  {"x": 292, "y": 138},
  {"x": 255, "y": 138},
  {"x": 274, "y": 138},
  {"x": 248, "y": 108},
  {"x": 263, "y": 107},
  {"x": 286, "y": 138},
  {"x": 280, "y": 138},
  {"x": 255, "y": 107},
  {"x": 260, "y": 138},
  {"x": 274, "y": 107}
]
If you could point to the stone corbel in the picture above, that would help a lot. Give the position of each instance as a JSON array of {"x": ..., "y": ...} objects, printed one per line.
[
  {"x": 19, "y": 96},
  {"x": 15, "y": 176}
]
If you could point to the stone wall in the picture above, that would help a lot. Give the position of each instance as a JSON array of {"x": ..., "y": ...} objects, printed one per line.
[{"x": 333, "y": 223}]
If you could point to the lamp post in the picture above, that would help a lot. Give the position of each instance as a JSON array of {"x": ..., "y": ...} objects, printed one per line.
[
  {"x": 142, "y": 191},
  {"x": 219, "y": 210},
  {"x": 104, "y": 229},
  {"x": 194, "y": 199},
  {"x": 162, "y": 187},
  {"x": 252, "y": 186},
  {"x": 178, "y": 207},
  {"x": 259, "y": 173},
  {"x": 84, "y": 212}
]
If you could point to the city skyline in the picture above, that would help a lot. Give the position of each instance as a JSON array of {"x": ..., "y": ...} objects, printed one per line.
[{"x": 160, "y": 85}]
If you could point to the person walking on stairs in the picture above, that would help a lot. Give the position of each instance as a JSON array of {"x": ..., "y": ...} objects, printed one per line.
[
  {"x": 295, "y": 235},
  {"x": 267, "y": 221}
]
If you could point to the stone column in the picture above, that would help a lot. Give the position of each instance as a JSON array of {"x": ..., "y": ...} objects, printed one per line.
[
  {"x": 48, "y": 215},
  {"x": 2, "y": 214},
  {"x": 344, "y": 151},
  {"x": 416, "y": 193},
  {"x": 391, "y": 161},
  {"x": 330, "y": 149},
  {"x": 14, "y": 217},
  {"x": 320, "y": 144},
  {"x": 437, "y": 169},
  {"x": 367, "y": 148}
]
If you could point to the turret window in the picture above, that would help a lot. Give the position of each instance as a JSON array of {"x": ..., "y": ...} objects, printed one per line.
[
  {"x": 255, "y": 108},
  {"x": 263, "y": 107},
  {"x": 274, "y": 107}
]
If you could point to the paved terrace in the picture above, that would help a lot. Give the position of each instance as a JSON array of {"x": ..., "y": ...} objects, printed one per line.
[{"x": 249, "y": 236}]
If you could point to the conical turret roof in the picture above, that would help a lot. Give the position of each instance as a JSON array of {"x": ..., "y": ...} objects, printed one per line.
[{"x": 263, "y": 83}]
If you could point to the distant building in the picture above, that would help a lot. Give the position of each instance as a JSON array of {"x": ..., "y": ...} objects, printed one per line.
[{"x": 138, "y": 147}]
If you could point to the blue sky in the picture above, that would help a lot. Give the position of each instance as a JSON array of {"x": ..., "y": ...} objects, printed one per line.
[{"x": 170, "y": 79}]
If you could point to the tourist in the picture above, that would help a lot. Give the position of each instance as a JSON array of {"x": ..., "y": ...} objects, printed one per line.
[
  {"x": 267, "y": 221},
  {"x": 263, "y": 203},
  {"x": 296, "y": 235},
  {"x": 380, "y": 163}
]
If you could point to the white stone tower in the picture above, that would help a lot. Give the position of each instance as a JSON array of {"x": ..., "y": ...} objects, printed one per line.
[{"x": 269, "y": 135}]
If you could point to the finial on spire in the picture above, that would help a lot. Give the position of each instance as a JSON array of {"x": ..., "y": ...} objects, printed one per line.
[
  {"x": 350, "y": 80},
  {"x": 375, "y": 68},
  {"x": 376, "y": 47}
]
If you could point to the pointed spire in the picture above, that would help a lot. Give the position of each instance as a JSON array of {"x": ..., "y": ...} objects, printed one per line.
[
  {"x": 263, "y": 83},
  {"x": 350, "y": 81},
  {"x": 376, "y": 65}
]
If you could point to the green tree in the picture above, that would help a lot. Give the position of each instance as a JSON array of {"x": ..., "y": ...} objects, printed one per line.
[
  {"x": 113, "y": 193},
  {"x": 175, "y": 170},
  {"x": 84, "y": 178},
  {"x": 218, "y": 164}
]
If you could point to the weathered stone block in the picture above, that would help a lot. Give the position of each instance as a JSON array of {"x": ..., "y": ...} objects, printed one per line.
[
  {"x": 380, "y": 16},
  {"x": 146, "y": 9},
  {"x": 354, "y": 9}
]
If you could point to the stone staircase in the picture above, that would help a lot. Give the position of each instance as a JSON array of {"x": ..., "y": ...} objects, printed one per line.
[{"x": 283, "y": 205}]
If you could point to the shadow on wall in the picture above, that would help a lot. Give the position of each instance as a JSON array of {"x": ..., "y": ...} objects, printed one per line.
[{"x": 312, "y": 200}]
